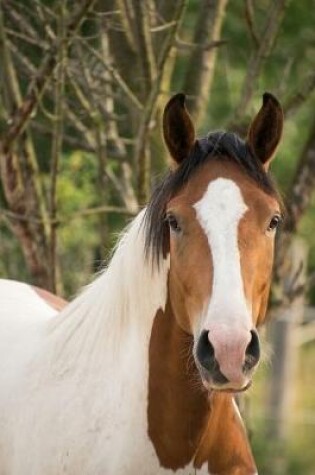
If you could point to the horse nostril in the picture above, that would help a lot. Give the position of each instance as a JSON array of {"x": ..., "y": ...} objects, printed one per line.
[
  {"x": 252, "y": 353},
  {"x": 206, "y": 358},
  {"x": 205, "y": 351}
]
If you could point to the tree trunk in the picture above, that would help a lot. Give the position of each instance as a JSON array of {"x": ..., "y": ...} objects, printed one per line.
[
  {"x": 201, "y": 66},
  {"x": 259, "y": 57}
]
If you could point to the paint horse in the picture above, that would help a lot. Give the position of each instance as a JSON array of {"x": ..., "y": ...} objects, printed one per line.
[{"x": 137, "y": 374}]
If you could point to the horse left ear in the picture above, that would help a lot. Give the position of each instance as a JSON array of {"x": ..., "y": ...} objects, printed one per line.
[
  {"x": 265, "y": 130},
  {"x": 178, "y": 129}
]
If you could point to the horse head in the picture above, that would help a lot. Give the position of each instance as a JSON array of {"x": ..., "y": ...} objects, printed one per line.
[{"x": 215, "y": 216}]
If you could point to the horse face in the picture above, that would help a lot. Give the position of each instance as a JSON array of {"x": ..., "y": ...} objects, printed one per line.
[{"x": 222, "y": 227}]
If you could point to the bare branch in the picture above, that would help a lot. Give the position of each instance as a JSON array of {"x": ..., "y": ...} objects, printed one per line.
[
  {"x": 200, "y": 69},
  {"x": 299, "y": 97},
  {"x": 249, "y": 17},
  {"x": 12, "y": 96},
  {"x": 36, "y": 88},
  {"x": 80, "y": 126},
  {"x": 141, "y": 153},
  {"x": 97, "y": 210},
  {"x": 24, "y": 60},
  {"x": 133, "y": 100},
  {"x": 41, "y": 11},
  {"x": 76, "y": 142},
  {"x": 56, "y": 147},
  {"x": 285, "y": 76},
  {"x": 26, "y": 38},
  {"x": 126, "y": 15},
  {"x": 145, "y": 46},
  {"x": 187, "y": 46},
  {"x": 259, "y": 57},
  {"x": 23, "y": 28},
  {"x": 113, "y": 139},
  {"x": 63, "y": 220},
  {"x": 303, "y": 185},
  {"x": 162, "y": 27}
]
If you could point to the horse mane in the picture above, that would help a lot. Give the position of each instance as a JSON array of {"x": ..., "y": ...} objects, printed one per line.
[
  {"x": 124, "y": 295},
  {"x": 216, "y": 146}
]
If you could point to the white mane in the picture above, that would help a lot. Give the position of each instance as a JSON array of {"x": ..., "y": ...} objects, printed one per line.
[{"x": 123, "y": 299}]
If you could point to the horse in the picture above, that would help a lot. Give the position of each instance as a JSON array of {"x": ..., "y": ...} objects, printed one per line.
[{"x": 138, "y": 374}]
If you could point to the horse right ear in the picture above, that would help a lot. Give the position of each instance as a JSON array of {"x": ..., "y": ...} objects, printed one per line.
[
  {"x": 178, "y": 129},
  {"x": 266, "y": 130}
]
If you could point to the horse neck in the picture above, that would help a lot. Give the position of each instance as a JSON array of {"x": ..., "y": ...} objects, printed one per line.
[
  {"x": 177, "y": 404},
  {"x": 112, "y": 312}
]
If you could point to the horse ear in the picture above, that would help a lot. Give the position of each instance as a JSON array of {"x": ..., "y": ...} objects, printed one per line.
[
  {"x": 266, "y": 130},
  {"x": 178, "y": 129}
]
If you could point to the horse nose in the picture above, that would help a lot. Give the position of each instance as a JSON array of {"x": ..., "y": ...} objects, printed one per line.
[{"x": 227, "y": 354}]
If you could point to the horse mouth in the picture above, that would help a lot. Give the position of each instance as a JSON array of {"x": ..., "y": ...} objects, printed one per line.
[
  {"x": 222, "y": 386},
  {"x": 233, "y": 390},
  {"x": 210, "y": 387}
]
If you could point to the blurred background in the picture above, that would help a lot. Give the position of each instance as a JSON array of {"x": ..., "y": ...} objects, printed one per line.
[{"x": 82, "y": 89}]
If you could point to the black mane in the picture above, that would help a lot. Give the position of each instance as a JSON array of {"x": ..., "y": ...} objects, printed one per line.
[{"x": 213, "y": 147}]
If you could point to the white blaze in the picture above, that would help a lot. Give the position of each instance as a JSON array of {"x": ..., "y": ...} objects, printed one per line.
[{"x": 219, "y": 212}]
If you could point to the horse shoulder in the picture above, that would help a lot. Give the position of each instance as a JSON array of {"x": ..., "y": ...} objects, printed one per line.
[{"x": 224, "y": 445}]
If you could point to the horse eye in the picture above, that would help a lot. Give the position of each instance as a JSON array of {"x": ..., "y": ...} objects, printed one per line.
[
  {"x": 173, "y": 223},
  {"x": 274, "y": 223}
]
